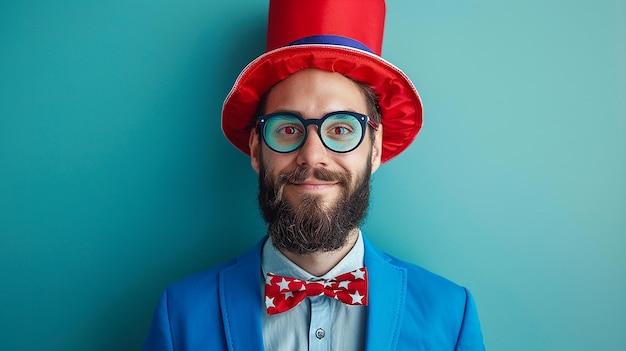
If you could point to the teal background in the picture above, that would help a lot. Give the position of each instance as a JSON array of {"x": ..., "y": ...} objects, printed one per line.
[{"x": 115, "y": 178}]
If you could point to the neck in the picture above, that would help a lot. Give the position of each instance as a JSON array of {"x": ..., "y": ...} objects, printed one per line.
[{"x": 320, "y": 263}]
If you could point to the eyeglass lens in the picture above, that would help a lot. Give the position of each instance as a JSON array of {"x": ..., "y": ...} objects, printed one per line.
[{"x": 340, "y": 132}]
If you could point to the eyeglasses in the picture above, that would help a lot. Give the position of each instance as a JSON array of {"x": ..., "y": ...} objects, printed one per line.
[{"x": 340, "y": 131}]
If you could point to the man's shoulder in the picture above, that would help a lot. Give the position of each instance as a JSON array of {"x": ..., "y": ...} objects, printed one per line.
[
  {"x": 437, "y": 299},
  {"x": 421, "y": 280},
  {"x": 442, "y": 310}
]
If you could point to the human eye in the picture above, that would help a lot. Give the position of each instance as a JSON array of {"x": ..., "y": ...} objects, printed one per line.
[
  {"x": 288, "y": 130},
  {"x": 341, "y": 127},
  {"x": 284, "y": 126},
  {"x": 339, "y": 130}
]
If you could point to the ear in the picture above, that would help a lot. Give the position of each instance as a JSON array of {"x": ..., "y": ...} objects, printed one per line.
[
  {"x": 377, "y": 148},
  {"x": 253, "y": 144}
]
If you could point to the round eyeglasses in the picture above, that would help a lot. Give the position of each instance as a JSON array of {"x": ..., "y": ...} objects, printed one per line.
[{"x": 340, "y": 131}]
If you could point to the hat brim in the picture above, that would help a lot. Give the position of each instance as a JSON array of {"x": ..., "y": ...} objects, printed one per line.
[{"x": 400, "y": 104}]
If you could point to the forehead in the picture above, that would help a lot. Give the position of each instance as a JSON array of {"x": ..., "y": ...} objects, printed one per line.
[{"x": 313, "y": 93}]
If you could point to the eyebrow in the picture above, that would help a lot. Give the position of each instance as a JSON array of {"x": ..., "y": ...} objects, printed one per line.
[{"x": 324, "y": 114}]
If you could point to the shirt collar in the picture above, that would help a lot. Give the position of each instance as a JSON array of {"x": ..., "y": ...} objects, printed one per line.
[{"x": 272, "y": 260}]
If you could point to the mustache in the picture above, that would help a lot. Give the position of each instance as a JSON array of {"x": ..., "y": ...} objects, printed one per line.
[
  {"x": 299, "y": 175},
  {"x": 310, "y": 226}
]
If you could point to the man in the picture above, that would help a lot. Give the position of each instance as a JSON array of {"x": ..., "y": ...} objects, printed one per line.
[{"x": 318, "y": 113}]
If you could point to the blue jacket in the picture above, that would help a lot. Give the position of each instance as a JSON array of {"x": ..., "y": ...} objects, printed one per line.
[{"x": 409, "y": 309}]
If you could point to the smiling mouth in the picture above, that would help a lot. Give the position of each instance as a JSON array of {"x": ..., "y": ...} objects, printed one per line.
[{"x": 313, "y": 185}]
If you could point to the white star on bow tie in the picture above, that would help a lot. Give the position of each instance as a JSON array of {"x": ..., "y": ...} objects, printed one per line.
[
  {"x": 358, "y": 274},
  {"x": 357, "y": 298}
]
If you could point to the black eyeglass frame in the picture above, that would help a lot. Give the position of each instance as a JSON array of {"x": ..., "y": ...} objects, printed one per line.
[{"x": 364, "y": 120}]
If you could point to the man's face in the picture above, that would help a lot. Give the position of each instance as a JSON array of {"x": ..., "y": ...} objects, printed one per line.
[{"x": 326, "y": 192}]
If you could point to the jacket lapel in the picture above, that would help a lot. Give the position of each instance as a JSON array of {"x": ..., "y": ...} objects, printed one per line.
[
  {"x": 241, "y": 301},
  {"x": 387, "y": 294}
]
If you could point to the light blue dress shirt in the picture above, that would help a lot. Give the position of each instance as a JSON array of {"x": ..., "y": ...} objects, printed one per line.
[{"x": 318, "y": 323}]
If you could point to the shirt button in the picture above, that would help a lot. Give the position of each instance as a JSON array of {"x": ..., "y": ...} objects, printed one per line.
[{"x": 319, "y": 333}]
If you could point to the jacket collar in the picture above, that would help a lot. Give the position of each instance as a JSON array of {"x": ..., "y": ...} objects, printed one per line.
[
  {"x": 241, "y": 300},
  {"x": 387, "y": 294}
]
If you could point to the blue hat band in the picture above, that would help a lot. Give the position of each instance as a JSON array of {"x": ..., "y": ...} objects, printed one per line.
[{"x": 332, "y": 40}]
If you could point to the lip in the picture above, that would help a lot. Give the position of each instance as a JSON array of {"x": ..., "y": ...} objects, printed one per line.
[{"x": 314, "y": 185}]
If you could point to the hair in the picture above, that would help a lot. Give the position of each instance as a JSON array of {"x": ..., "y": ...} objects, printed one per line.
[
  {"x": 371, "y": 102},
  {"x": 310, "y": 226}
]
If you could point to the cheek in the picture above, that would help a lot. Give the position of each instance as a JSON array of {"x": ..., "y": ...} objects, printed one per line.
[
  {"x": 356, "y": 163},
  {"x": 359, "y": 169},
  {"x": 274, "y": 162}
]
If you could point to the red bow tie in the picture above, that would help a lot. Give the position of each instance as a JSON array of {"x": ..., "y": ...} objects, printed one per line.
[{"x": 284, "y": 293}]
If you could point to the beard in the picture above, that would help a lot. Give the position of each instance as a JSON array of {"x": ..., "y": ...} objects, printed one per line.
[{"x": 313, "y": 226}]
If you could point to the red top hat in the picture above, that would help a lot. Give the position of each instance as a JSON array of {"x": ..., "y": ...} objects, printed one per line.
[{"x": 342, "y": 36}]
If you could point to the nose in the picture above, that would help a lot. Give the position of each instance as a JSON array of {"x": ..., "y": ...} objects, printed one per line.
[{"x": 312, "y": 153}]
